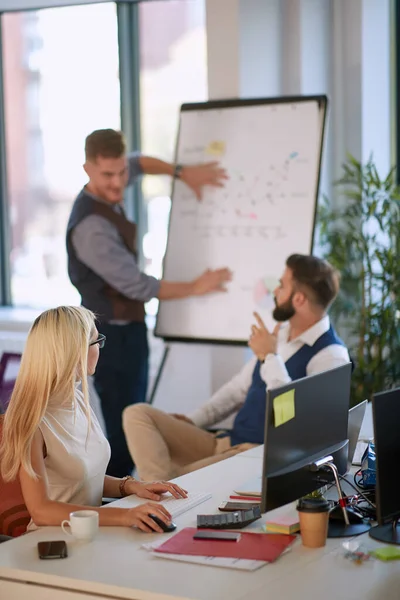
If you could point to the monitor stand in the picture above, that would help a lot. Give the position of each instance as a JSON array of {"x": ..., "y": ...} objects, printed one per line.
[
  {"x": 389, "y": 533},
  {"x": 337, "y": 527}
]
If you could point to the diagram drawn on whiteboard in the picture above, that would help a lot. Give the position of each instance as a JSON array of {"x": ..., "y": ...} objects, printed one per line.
[
  {"x": 264, "y": 293},
  {"x": 244, "y": 207}
]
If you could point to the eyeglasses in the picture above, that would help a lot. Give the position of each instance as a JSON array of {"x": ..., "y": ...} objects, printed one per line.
[{"x": 101, "y": 340}]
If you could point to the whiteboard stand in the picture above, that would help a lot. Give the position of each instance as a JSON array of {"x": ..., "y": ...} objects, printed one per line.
[{"x": 159, "y": 374}]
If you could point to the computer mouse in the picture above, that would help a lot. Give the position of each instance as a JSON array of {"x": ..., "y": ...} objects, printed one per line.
[{"x": 166, "y": 528}]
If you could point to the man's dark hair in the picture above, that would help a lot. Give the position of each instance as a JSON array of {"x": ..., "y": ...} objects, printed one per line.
[
  {"x": 106, "y": 143},
  {"x": 318, "y": 279}
]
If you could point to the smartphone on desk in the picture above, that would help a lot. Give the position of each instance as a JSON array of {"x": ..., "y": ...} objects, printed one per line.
[
  {"x": 228, "y": 536},
  {"x": 56, "y": 549},
  {"x": 234, "y": 506}
]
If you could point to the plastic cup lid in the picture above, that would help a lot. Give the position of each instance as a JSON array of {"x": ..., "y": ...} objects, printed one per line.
[{"x": 313, "y": 505}]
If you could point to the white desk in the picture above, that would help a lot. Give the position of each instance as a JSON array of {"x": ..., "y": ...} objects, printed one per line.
[{"x": 114, "y": 566}]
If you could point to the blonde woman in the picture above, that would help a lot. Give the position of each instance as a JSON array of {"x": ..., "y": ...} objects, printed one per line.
[{"x": 52, "y": 440}]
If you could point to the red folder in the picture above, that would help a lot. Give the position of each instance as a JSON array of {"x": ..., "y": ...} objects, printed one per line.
[{"x": 253, "y": 546}]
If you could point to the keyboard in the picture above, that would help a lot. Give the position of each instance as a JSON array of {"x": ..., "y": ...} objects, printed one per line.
[
  {"x": 231, "y": 520},
  {"x": 178, "y": 506},
  {"x": 359, "y": 451}
]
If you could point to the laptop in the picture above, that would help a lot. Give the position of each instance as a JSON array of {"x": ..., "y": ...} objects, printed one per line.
[
  {"x": 356, "y": 449},
  {"x": 356, "y": 418}
]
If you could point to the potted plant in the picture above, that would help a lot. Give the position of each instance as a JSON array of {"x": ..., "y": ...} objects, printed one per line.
[{"x": 360, "y": 236}]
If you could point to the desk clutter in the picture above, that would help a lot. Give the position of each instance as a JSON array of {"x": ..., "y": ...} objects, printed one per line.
[{"x": 209, "y": 544}]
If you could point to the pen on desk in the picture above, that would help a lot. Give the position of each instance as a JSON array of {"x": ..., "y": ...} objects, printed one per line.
[{"x": 253, "y": 499}]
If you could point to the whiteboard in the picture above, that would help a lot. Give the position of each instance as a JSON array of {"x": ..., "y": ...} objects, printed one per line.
[{"x": 271, "y": 149}]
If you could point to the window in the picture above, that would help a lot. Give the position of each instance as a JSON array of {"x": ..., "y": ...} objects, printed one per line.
[
  {"x": 173, "y": 70},
  {"x": 61, "y": 81}
]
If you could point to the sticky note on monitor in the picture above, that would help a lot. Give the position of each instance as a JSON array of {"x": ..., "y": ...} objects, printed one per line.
[{"x": 283, "y": 408}]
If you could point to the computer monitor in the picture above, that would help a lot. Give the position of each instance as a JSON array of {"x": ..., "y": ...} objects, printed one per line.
[
  {"x": 356, "y": 419},
  {"x": 386, "y": 419},
  {"x": 317, "y": 411}
]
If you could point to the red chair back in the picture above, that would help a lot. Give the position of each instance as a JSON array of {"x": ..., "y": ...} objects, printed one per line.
[{"x": 14, "y": 516}]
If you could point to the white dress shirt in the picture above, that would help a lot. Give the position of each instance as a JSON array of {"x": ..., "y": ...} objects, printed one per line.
[{"x": 231, "y": 396}]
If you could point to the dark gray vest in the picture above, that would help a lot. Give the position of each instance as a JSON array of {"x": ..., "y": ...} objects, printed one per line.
[{"x": 97, "y": 295}]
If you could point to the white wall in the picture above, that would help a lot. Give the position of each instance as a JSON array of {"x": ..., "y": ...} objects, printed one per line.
[{"x": 337, "y": 47}]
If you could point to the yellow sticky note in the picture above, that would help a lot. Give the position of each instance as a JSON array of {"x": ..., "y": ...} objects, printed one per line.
[
  {"x": 284, "y": 408},
  {"x": 216, "y": 148}
]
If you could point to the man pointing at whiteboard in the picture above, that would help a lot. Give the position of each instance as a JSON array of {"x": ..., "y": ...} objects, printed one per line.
[{"x": 102, "y": 265}]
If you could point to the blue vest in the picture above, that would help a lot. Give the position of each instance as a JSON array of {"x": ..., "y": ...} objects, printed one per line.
[{"x": 250, "y": 420}]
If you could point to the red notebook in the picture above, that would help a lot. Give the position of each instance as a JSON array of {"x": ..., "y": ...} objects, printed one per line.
[{"x": 253, "y": 546}]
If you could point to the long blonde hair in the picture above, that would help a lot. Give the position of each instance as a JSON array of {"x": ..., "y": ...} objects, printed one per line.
[{"x": 55, "y": 356}]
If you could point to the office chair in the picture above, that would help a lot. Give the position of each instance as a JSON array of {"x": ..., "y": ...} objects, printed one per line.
[
  {"x": 14, "y": 516},
  {"x": 9, "y": 365}
]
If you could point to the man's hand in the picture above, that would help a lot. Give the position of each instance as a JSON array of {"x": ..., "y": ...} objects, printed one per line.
[
  {"x": 211, "y": 281},
  {"x": 197, "y": 176},
  {"x": 182, "y": 418},
  {"x": 153, "y": 490},
  {"x": 261, "y": 341}
]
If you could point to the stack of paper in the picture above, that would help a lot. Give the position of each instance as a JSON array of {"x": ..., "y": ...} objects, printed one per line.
[{"x": 287, "y": 524}]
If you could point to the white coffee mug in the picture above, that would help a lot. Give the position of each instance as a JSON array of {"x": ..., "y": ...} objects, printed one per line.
[{"x": 83, "y": 523}]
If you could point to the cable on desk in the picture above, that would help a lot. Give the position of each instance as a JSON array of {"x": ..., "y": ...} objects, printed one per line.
[{"x": 358, "y": 490}]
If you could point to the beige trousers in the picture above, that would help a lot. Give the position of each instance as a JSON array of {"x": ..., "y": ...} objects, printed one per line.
[{"x": 163, "y": 447}]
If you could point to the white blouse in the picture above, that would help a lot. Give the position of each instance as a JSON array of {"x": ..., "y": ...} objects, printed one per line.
[{"x": 75, "y": 461}]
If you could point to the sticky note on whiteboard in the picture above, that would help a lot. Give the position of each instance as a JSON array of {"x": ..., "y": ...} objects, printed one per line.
[
  {"x": 216, "y": 148},
  {"x": 283, "y": 408}
]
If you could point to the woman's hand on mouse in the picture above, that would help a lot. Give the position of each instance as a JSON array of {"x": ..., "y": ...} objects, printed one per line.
[
  {"x": 139, "y": 517},
  {"x": 153, "y": 490}
]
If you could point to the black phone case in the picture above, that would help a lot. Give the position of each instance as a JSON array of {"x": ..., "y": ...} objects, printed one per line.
[
  {"x": 53, "y": 549},
  {"x": 226, "y": 536}
]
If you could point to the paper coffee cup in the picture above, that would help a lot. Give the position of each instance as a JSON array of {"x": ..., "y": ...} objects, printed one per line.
[{"x": 313, "y": 517}]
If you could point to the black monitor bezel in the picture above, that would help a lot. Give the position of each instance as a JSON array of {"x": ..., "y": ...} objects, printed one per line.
[
  {"x": 271, "y": 394},
  {"x": 382, "y": 519}
]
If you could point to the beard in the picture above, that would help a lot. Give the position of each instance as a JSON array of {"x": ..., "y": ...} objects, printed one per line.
[{"x": 284, "y": 312}]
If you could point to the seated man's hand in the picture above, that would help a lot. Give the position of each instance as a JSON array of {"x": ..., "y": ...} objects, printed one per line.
[
  {"x": 262, "y": 341},
  {"x": 182, "y": 418}
]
